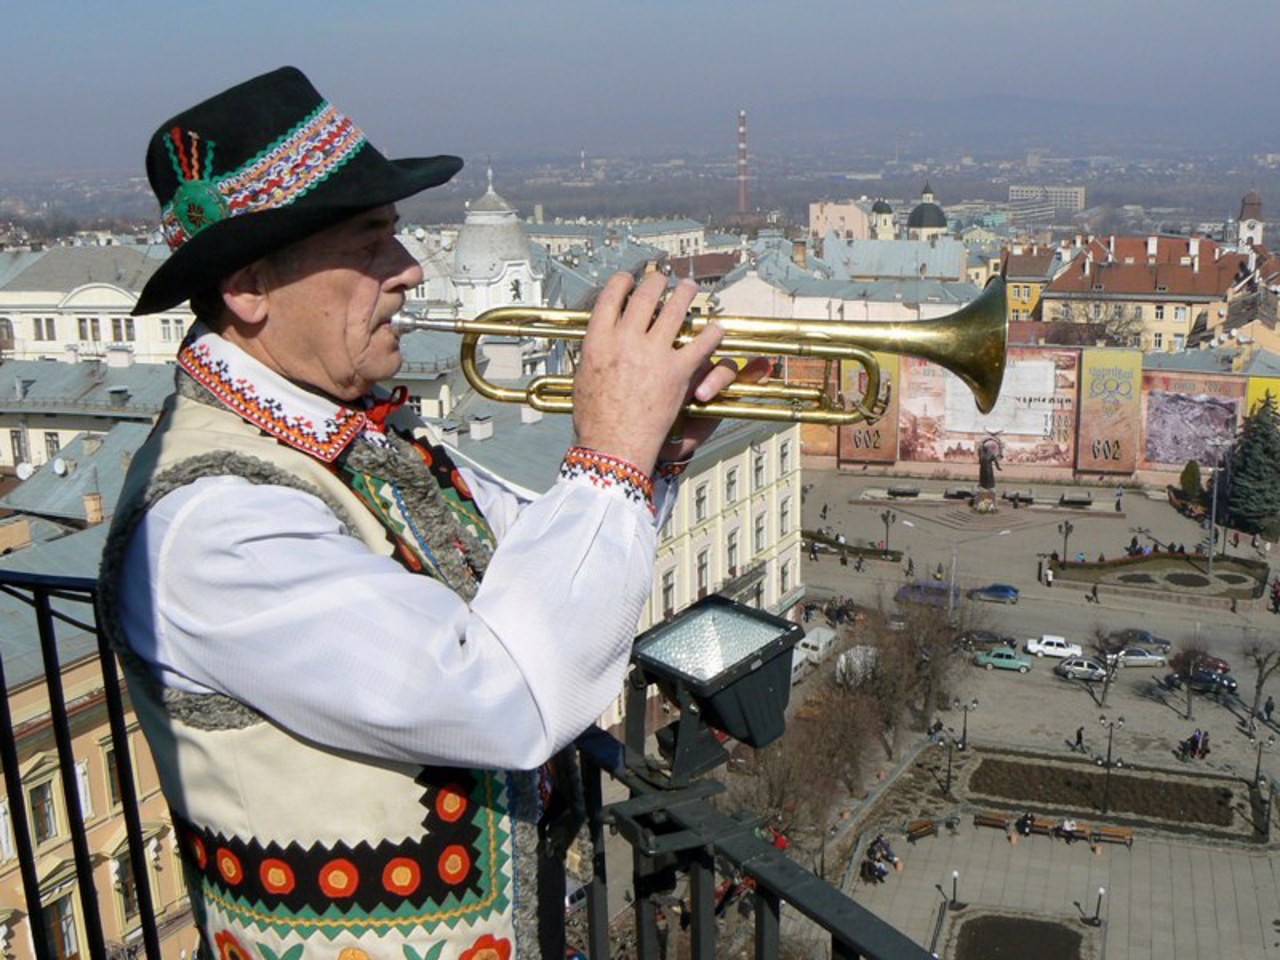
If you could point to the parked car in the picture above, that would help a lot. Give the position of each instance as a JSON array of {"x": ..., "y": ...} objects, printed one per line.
[
  {"x": 1050, "y": 645},
  {"x": 1002, "y": 658},
  {"x": 1137, "y": 637},
  {"x": 984, "y": 640},
  {"x": 1203, "y": 681},
  {"x": 1080, "y": 668},
  {"x": 1182, "y": 660},
  {"x": 1136, "y": 657},
  {"x": 932, "y": 592},
  {"x": 995, "y": 593}
]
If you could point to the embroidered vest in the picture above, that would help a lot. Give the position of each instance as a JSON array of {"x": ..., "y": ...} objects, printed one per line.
[{"x": 293, "y": 850}]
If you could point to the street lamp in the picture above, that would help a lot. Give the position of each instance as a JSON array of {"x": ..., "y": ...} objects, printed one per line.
[
  {"x": 1096, "y": 919},
  {"x": 1109, "y": 763},
  {"x": 1218, "y": 446},
  {"x": 1066, "y": 528},
  {"x": 964, "y": 734},
  {"x": 949, "y": 741},
  {"x": 1257, "y": 768},
  {"x": 889, "y": 518}
]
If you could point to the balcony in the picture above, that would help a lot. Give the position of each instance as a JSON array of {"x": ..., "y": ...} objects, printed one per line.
[{"x": 675, "y": 834}]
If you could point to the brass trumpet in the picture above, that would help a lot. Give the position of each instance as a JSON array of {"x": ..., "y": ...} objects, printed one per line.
[{"x": 971, "y": 343}]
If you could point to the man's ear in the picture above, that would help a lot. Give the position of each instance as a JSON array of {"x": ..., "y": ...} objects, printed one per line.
[{"x": 244, "y": 293}]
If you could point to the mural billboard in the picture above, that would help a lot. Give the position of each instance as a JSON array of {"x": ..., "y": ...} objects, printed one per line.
[
  {"x": 1259, "y": 387},
  {"x": 1034, "y": 417},
  {"x": 1110, "y": 410},
  {"x": 1185, "y": 414},
  {"x": 877, "y": 442}
]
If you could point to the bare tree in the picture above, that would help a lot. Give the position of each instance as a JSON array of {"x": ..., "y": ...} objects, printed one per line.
[
  {"x": 1100, "y": 648},
  {"x": 1185, "y": 663},
  {"x": 1265, "y": 657}
]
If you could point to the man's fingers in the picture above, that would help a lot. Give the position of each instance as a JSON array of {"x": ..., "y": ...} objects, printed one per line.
[{"x": 719, "y": 376}]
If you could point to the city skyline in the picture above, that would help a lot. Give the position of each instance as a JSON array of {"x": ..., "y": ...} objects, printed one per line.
[{"x": 91, "y": 82}]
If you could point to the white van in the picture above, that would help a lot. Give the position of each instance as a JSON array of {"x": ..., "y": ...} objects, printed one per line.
[
  {"x": 799, "y": 664},
  {"x": 817, "y": 644},
  {"x": 575, "y": 898}
]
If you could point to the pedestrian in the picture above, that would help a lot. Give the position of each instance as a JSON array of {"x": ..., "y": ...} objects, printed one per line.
[
  {"x": 823, "y": 512},
  {"x": 1079, "y": 747},
  {"x": 857, "y": 563},
  {"x": 1235, "y": 539},
  {"x": 844, "y": 558},
  {"x": 358, "y": 664},
  {"x": 1202, "y": 750},
  {"x": 813, "y": 549},
  {"x": 1048, "y": 576},
  {"x": 1093, "y": 594},
  {"x": 1267, "y": 708},
  {"x": 911, "y": 568}
]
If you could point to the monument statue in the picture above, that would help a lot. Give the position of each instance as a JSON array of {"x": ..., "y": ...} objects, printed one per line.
[{"x": 989, "y": 453}]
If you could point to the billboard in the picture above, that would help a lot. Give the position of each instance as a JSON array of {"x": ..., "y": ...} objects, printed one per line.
[
  {"x": 1034, "y": 417},
  {"x": 1259, "y": 387},
  {"x": 1185, "y": 414},
  {"x": 1110, "y": 410}
]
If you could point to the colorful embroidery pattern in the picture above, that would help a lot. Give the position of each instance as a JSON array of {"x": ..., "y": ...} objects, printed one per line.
[
  {"x": 324, "y": 440},
  {"x": 609, "y": 473},
  {"x": 297, "y": 162},
  {"x": 458, "y": 870}
]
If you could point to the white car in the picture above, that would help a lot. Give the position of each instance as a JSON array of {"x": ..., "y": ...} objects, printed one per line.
[{"x": 1053, "y": 646}]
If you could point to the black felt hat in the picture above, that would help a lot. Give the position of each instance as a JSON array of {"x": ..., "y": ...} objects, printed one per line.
[{"x": 256, "y": 168}]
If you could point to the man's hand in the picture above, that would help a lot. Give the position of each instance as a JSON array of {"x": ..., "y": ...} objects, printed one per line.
[{"x": 632, "y": 380}]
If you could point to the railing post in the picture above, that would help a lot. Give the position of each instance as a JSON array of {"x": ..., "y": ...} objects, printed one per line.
[
  {"x": 702, "y": 900},
  {"x": 598, "y": 891},
  {"x": 768, "y": 917},
  {"x": 92, "y": 919}
]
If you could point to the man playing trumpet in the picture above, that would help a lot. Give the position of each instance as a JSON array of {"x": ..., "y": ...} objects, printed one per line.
[{"x": 353, "y": 660}]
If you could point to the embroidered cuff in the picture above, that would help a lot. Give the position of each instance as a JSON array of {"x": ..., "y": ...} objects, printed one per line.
[
  {"x": 673, "y": 468},
  {"x": 609, "y": 473}
]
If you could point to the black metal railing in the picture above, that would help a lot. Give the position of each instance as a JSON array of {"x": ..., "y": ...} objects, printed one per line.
[
  {"x": 670, "y": 830},
  {"x": 61, "y": 607}
]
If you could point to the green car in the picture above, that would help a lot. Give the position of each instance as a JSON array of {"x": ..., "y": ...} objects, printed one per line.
[{"x": 1002, "y": 659}]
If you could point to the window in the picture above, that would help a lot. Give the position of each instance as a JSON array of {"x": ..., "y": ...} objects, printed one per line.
[
  {"x": 114, "y": 795},
  {"x": 665, "y": 532},
  {"x": 784, "y": 578},
  {"x": 44, "y": 815},
  {"x": 60, "y": 928},
  {"x": 1179, "y": 341},
  {"x": 759, "y": 534},
  {"x": 122, "y": 329},
  {"x": 1097, "y": 311},
  {"x": 1157, "y": 340},
  {"x": 82, "y": 788},
  {"x": 731, "y": 553},
  {"x": 784, "y": 458},
  {"x": 703, "y": 577},
  {"x": 52, "y": 444},
  {"x": 731, "y": 486},
  {"x": 18, "y": 444},
  {"x": 1159, "y": 311},
  {"x": 1180, "y": 313},
  {"x": 700, "y": 503},
  {"x": 668, "y": 592},
  {"x": 6, "y": 832},
  {"x": 757, "y": 472},
  {"x": 170, "y": 330},
  {"x": 44, "y": 328},
  {"x": 126, "y": 886},
  {"x": 90, "y": 330},
  {"x": 784, "y": 517}
]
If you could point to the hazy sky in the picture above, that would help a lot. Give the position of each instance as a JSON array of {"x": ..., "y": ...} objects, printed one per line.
[{"x": 88, "y": 80}]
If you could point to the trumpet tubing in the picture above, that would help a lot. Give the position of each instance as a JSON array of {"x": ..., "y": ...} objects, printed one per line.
[{"x": 971, "y": 342}]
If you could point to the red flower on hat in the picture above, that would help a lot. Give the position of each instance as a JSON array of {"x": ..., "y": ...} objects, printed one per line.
[
  {"x": 229, "y": 948},
  {"x": 488, "y": 947}
]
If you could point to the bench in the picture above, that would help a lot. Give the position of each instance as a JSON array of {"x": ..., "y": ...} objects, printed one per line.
[
  {"x": 1018, "y": 497},
  {"x": 904, "y": 491},
  {"x": 1076, "y": 500},
  {"x": 1112, "y": 835},
  {"x": 996, "y": 820},
  {"x": 1045, "y": 828},
  {"x": 1081, "y": 832},
  {"x": 918, "y": 829},
  {"x": 957, "y": 493}
]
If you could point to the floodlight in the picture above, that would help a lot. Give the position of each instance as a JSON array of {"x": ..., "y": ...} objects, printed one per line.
[{"x": 726, "y": 667}]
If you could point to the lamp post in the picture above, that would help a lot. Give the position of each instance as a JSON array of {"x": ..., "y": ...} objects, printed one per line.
[
  {"x": 1066, "y": 528},
  {"x": 955, "y": 889},
  {"x": 964, "y": 734},
  {"x": 1218, "y": 446},
  {"x": 889, "y": 518},
  {"x": 1096, "y": 919},
  {"x": 949, "y": 741},
  {"x": 1109, "y": 763},
  {"x": 1257, "y": 767}
]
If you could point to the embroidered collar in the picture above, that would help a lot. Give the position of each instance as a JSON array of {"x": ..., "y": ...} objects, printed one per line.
[{"x": 306, "y": 421}]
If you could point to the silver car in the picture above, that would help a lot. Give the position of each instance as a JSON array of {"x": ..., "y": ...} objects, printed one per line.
[
  {"x": 1080, "y": 668},
  {"x": 1136, "y": 657}
]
